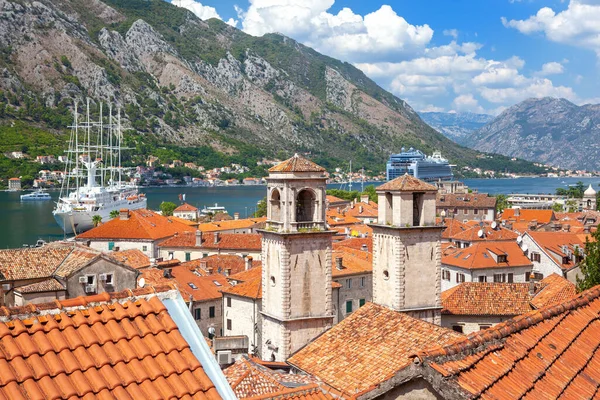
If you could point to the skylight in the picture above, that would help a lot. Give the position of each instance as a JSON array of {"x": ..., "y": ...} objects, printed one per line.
[
  {"x": 192, "y": 285},
  {"x": 217, "y": 283}
]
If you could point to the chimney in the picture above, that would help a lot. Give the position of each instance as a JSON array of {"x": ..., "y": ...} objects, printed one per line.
[
  {"x": 227, "y": 271},
  {"x": 210, "y": 270},
  {"x": 198, "y": 238},
  {"x": 216, "y": 236},
  {"x": 532, "y": 282},
  {"x": 236, "y": 215},
  {"x": 567, "y": 227},
  {"x": 248, "y": 263},
  {"x": 586, "y": 229},
  {"x": 364, "y": 198},
  {"x": 204, "y": 265},
  {"x": 517, "y": 212},
  {"x": 167, "y": 273},
  {"x": 124, "y": 214},
  {"x": 339, "y": 263},
  {"x": 360, "y": 209}
]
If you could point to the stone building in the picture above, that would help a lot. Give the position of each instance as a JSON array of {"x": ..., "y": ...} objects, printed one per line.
[
  {"x": 14, "y": 184},
  {"x": 186, "y": 211},
  {"x": 296, "y": 247},
  {"x": 406, "y": 264},
  {"x": 466, "y": 206}
]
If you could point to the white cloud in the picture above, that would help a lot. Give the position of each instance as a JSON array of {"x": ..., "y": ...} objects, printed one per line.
[
  {"x": 431, "y": 108},
  {"x": 379, "y": 35},
  {"x": 534, "y": 88},
  {"x": 577, "y": 25},
  {"x": 467, "y": 102},
  {"x": 203, "y": 12},
  {"x": 451, "y": 32},
  {"x": 551, "y": 68}
]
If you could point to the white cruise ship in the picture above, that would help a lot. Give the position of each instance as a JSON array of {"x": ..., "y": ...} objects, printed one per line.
[{"x": 92, "y": 185}]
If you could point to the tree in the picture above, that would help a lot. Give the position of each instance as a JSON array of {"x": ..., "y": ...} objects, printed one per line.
[
  {"x": 501, "y": 202},
  {"x": 167, "y": 207},
  {"x": 96, "y": 219},
  {"x": 571, "y": 206},
  {"x": 590, "y": 266},
  {"x": 261, "y": 208},
  {"x": 370, "y": 190},
  {"x": 557, "y": 207},
  {"x": 114, "y": 214}
]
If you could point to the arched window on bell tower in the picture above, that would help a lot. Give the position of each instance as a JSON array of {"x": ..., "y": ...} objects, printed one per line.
[
  {"x": 275, "y": 205},
  {"x": 306, "y": 206}
]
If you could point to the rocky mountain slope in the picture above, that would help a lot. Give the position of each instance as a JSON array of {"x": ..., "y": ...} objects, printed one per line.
[
  {"x": 548, "y": 130},
  {"x": 456, "y": 126},
  {"x": 182, "y": 80}
]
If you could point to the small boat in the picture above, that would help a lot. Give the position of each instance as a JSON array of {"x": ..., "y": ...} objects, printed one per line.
[
  {"x": 213, "y": 210},
  {"x": 38, "y": 195}
]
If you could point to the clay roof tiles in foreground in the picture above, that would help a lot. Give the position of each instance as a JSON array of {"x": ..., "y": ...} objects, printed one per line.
[
  {"x": 367, "y": 348},
  {"x": 141, "y": 224},
  {"x": 297, "y": 164},
  {"x": 406, "y": 183},
  {"x": 41, "y": 262},
  {"x": 550, "y": 353},
  {"x": 122, "y": 345}
]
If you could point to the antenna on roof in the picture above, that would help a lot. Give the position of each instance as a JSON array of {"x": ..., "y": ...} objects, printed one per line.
[
  {"x": 480, "y": 233},
  {"x": 142, "y": 282},
  {"x": 524, "y": 248},
  {"x": 519, "y": 239},
  {"x": 494, "y": 225}
]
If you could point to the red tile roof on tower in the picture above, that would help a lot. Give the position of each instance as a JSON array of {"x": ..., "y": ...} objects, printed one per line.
[
  {"x": 121, "y": 345},
  {"x": 548, "y": 353},
  {"x": 406, "y": 183},
  {"x": 482, "y": 255},
  {"x": 185, "y": 207},
  {"x": 367, "y": 348},
  {"x": 297, "y": 164},
  {"x": 141, "y": 224}
]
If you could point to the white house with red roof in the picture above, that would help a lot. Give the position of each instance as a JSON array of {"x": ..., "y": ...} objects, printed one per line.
[{"x": 186, "y": 211}]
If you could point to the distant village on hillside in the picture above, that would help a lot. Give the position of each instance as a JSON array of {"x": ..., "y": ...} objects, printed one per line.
[{"x": 427, "y": 293}]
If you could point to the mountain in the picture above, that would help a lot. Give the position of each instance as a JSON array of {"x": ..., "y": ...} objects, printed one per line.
[
  {"x": 200, "y": 85},
  {"x": 547, "y": 130},
  {"x": 456, "y": 126}
]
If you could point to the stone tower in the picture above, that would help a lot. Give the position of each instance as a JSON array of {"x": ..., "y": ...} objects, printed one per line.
[
  {"x": 296, "y": 256},
  {"x": 589, "y": 198},
  {"x": 407, "y": 250}
]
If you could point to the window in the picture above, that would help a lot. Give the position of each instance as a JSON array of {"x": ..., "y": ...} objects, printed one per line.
[
  {"x": 197, "y": 314},
  {"x": 228, "y": 324},
  {"x": 445, "y": 275},
  {"x": 386, "y": 275},
  {"x": 111, "y": 245},
  {"x": 534, "y": 256},
  {"x": 188, "y": 256},
  {"x": 211, "y": 312},
  {"x": 361, "y": 302},
  {"x": 204, "y": 255},
  {"x": 502, "y": 258},
  {"x": 109, "y": 279},
  {"x": 499, "y": 278},
  {"x": 171, "y": 255},
  {"x": 536, "y": 275},
  {"x": 91, "y": 279},
  {"x": 484, "y": 327},
  {"x": 460, "y": 278},
  {"x": 457, "y": 328},
  {"x": 228, "y": 301},
  {"x": 483, "y": 278},
  {"x": 510, "y": 278},
  {"x": 362, "y": 281},
  {"x": 348, "y": 283},
  {"x": 348, "y": 306},
  {"x": 475, "y": 211},
  {"x": 144, "y": 248}
]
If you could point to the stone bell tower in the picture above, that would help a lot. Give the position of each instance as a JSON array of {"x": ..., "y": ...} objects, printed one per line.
[
  {"x": 296, "y": 254},
  {"x": 407, "y": 249}
]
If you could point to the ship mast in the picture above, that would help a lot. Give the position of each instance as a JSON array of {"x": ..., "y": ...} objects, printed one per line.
[{"x": 350, "y": 177}]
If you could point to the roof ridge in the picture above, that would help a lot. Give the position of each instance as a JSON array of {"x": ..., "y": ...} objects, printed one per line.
[{"x": 509, "y": 327}]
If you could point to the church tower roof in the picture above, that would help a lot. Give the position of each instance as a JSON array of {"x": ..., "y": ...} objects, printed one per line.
[
  {"x": 589, "y": 191},
  {"x": 297, "y": 164},
  {"x": 406, "y": 183}
]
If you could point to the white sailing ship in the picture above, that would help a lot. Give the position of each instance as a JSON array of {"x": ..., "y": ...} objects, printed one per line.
[{"x": 92, "y": 183}]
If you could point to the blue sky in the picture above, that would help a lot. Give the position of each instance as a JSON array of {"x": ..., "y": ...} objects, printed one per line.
[{"x": 443, "y": 55}]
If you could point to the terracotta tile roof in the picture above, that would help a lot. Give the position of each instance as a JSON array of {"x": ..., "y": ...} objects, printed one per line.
[
  {"x": 185, "y": 207},
  {"x": 332, "y": 199},
  {"x": 336, "y": 285},
  {"x": 479, "y": 298},
  {"x": 354, "y": 262},
  {"x": 133, "y": 258},
  {"x": 76, "y": 260},
  {"x": 220, "y": 263},
  {"x": 552, "y": 244},
  {"x": 297, "y": 164},
  {"x": 355, "y": 243},
  {"x": 184, "y": 221},
  {"x": 336, "y": 218},
  {"x": 554, "y": 290},
  {"x": 232, "y": 224},
  {"x": 247, "y": 275},
  {"x": 544, "y": 354},
  {"x": 251, "y": 288},
  {"x": 406, "y": 183},
  {"x": 453, "y": 227},
  {"x": 362, "y": 210},
  {"x": 367, "y": 348},
  {"x": 230, "y": 241},
  {"x": 528, "y": 215},
  {"x": 141, "y": 224},
  {"x": 465, "y": 200},
  {"x": 250, "y": 380},
  {"x": 31, "y": 263},
  {"x": 472, "y": 234},
  {"x": 481, "y": 255},
  {"x": 190, "y": 283},
  {"x": 121, "y": 345},
  {"x": 49, "y": 285}
]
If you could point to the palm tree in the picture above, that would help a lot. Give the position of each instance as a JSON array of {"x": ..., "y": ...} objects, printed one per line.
[
  {"x": 96, "y": 219},
  {"x": 114, "y": 214}
]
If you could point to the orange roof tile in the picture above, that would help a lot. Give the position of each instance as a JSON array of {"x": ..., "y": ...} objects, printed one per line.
[
  {"x": 362, "y": 210},
  {"x": 354, "y": 262},
  {"x": 221, "y": 263},
  {"x": 482, "y": 255},
  {"x": 48, "y": 285},
  {"x": 185, "y": 207},
  {"x": 452, "y": 227},
  {"x": 406, "y": 183},
  {"x": 297, "y": 164},
  {"x": 528, "y": 215},
  {"x": 544, "y": 354},
  {"x": 367, "y": 348},
  {"x": 332, "y": 199},
  {"x": 472, "y": 234},
  {"x": 251, "y": 289},
  {"x": 247, "y": 275},
  {"x": 132, "y": 257},
  {"x": 201, "y": 288},
  {"x": 31, "y": 263},
  {"x": 232, "y": 224},
  {"x": 480, "y": 298},
  {"x": 355, "y": 243},
  {"x": 230, "y": 241},
  {"x": 119, "y": 345},
  {"x": 336, "y": 218},
  {"x": 554, "y": 290},
  {"x": 465, "y": 200},
  {"x": 141, "y": 224},
  {"x": 552, "y": 244}
]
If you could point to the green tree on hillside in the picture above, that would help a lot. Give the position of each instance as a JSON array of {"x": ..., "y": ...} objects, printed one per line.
[{"x": 590, "y": 266}]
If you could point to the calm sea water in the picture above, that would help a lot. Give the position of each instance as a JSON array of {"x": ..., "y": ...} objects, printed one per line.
[{"x": 27, "y": 222}]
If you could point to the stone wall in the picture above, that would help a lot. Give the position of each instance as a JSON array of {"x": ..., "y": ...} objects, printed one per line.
[
  {"x": 245, "y": 315},
  {"x": 123, "y": 278}
]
